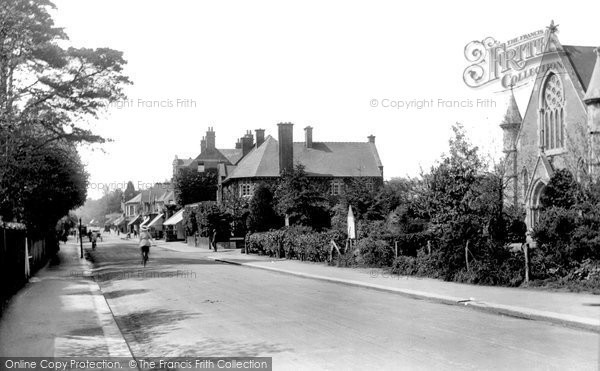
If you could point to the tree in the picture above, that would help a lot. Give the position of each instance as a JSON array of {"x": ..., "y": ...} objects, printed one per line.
[
  {"x": 298, "y": 198},
  {"x": 262, "y": 216},
  {"x": 562, "y": 191},
  {"x": 65, "y": 224},
  {"x": 46, "y": 94},
  {"x": 362, "y": 198},
  {"x": 44, "y": 189},
  {"x": 45, "y": 86},
  {"x": 193, "y": 186},
  {"x": 461, "y": 201},
  {"x": 129, "y": 192}
]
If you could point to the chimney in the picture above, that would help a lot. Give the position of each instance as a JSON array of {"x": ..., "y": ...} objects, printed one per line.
[
  {"x": 286, "y": 147},
  {"x": 238, "y": 144},
  {"x": 210, "y": 139},
  {"x": 247, "y": 143},
  {"x": 202, "y": 145},
  {"x": 371, "y": 138},
  {"x": 260, "y": 136},
  {"x": 308, "y": 143}
]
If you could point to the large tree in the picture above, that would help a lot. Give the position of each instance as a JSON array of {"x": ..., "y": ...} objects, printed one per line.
[{"x": 47, "y": 92}]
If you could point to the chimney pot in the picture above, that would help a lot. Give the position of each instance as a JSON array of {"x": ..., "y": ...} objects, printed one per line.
[
  {"x": 260, "y": 136},
  {"x": 286, "y": 147},
  {"x": 308, "y": 142},
  {"x": 210, "y": 139}
]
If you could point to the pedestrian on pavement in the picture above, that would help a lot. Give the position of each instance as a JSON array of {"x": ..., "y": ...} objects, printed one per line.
[{"x": 214, "y": 238}]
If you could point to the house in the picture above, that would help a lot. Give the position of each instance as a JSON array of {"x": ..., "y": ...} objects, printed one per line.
[
  {"x": 326, "y": 162},
  {"x": 147, "y": 208},
  {"x": 560, "y": 128},
  {"x": 211, "y": 157}
]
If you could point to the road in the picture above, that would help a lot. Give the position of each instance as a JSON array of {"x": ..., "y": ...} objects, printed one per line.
[{"x": 183, "y": 304}]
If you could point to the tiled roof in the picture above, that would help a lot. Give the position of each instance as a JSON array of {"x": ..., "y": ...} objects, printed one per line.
[
  {"x": 212, "y": 155},
  {"x": 583, "y": 59},
  {"x": 135, "y": 200},
  {"x": 331, "y": 159},
  {"x": 157, "y": 191},
  {"x": 233, "y": 155},
  {"x": 168, "y": 196}
]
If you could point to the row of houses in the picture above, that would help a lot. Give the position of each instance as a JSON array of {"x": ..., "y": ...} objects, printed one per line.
[{"x": 255, "y": 158}]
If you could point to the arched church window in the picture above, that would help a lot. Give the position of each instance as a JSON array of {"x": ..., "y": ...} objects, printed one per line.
[{"x": 553, "y": 105}]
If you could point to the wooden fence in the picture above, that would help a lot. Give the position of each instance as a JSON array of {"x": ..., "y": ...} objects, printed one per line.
[{"x": 20, "y": 257}]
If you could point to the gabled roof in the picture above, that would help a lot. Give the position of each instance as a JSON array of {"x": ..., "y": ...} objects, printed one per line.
[
  {"x": 157, "y": 191},
  {"x": 330, "y": 159},
  {"x": 168, "y": 196},
  {"x": 233, "y": 155},
  {"x": 213, "y": 155},
  {"x": 135, "y": 199},
  {"x": 593, "y": 90},
  {"x": 583, "y": 59}
]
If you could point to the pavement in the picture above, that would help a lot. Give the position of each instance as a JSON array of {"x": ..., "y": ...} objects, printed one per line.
[
  {"x": 576, "y": 310},
  {"x": 61, "y": 312}
]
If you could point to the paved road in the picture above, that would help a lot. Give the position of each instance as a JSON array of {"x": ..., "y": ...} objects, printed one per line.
[{"x": 183, "y": 304}]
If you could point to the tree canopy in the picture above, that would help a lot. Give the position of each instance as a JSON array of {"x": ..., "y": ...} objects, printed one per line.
[
  {"x": 47, "y": 93},
  {"x": 193, "y": 186}
]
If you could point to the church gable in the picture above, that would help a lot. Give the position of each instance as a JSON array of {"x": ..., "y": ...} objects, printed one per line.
[{"x": 555, "y": 118}]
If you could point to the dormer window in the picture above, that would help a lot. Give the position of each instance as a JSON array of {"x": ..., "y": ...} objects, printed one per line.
[{"x": 552, "y": 114}]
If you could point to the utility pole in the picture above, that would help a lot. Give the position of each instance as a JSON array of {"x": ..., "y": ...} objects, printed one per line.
[{"x": 80, "y": 239}]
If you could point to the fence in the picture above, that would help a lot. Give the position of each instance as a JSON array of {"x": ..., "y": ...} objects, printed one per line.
[{"x": 19, "y": 258}]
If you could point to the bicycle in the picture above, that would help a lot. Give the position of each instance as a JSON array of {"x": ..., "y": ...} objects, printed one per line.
[{"x": 144, "y": 256}]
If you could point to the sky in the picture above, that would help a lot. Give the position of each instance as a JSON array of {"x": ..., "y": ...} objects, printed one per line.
[{"x": 338, "y": 66}]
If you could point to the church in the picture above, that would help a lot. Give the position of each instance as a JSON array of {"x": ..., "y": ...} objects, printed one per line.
[{"x": 560, "y": 128}]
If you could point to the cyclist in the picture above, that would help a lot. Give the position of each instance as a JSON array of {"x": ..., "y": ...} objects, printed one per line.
[{"x": 145, "y": 243}]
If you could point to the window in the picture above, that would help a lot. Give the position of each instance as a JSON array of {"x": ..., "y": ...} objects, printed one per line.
[
  {"x": 201, "y": 168},
  {"x": 370, "y": 185},
  {"x": 552, "y": 113},
  {"x": 336, "y": 187},
  {"x": 245, "y": 190}
]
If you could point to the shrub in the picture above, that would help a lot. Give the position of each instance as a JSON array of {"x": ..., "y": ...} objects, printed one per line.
[
  {"x": 423, "y": 265},
  {"x": 374, "y": 252}
]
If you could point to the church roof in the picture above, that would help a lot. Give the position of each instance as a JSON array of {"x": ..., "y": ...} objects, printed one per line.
[
  {"x": 331, "y": 159},
  {"x": 583, "y": 59},
  {"x": 593, "y": 91}
]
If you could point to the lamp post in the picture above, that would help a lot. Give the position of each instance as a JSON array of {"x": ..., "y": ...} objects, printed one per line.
[{"x": 80, "y": 238}]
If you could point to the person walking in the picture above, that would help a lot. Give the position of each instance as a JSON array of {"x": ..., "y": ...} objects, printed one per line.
[{"x": 214, "y": 239}]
